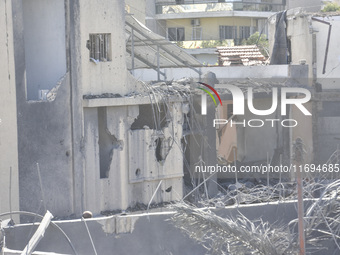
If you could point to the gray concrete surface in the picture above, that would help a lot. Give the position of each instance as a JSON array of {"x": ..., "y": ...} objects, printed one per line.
[
  {"x": 142, "y": 233},
  {"x": 8, "y": 118}
]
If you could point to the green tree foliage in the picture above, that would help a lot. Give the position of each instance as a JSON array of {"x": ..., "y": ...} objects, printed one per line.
[
  {"x": 261, "y": 42},
  {"x": 214, "y": 43},
  {"x": 331, "y": 7}
]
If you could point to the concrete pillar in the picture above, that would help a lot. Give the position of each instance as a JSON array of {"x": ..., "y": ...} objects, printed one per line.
[{"x": 9, "y": 196}]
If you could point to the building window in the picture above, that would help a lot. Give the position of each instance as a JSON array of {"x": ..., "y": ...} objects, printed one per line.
[
  {"x": 196, "y": 33},
  {"x": 100, "y": 47},
  {"x": 176, "y": 33},
  {"x": 244, "y": 32},
  {"x": 228, "y": 32}
]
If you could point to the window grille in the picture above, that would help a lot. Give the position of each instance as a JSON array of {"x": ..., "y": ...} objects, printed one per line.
[
  {"x": 100, "y": 47},
  {"x": 228, "y": 32},
  {"x": 196, "y": 33}
]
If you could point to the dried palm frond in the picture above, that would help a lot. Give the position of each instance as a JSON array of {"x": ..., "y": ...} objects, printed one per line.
[
  {"x": 322, "y": 218},
  {"x": 232, "y": 236}
]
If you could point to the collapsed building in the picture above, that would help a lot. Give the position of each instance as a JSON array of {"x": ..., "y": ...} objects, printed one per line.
[
  {"x": 88, "y": 136},
  {"x": 85, "y": 137},
  {"x": 299, "y": 37}
]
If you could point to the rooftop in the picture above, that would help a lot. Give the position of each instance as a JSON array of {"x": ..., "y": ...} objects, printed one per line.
[{"x": 240, "y": 55}]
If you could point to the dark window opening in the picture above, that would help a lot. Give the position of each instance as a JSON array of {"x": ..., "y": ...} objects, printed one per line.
[
  {"x": 163, "y": 147},
  {"x": 107, "y": 144}
]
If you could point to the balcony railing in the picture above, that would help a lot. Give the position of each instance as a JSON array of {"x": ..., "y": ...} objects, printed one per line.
[{"x": 168, "y": 7}]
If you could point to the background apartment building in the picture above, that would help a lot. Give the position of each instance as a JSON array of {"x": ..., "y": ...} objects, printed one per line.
[{"x": 199, "y": 25}]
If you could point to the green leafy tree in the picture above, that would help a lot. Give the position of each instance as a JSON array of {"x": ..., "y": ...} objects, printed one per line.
[
  {"x": 261, "y": 42},
  {"x": 331, "y": 7}
]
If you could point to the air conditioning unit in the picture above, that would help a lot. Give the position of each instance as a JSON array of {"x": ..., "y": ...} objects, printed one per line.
[{"x": 195, "y": 22}]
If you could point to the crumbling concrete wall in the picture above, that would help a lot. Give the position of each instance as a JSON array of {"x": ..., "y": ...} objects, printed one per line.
[
  {"x": 127, "y": 170},
  {"x": 44, "y": 127},
  {"x": 8, "y": 119},
  {"x": 84, "y": 152}
]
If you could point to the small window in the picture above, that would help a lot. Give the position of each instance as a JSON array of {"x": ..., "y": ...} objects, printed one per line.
[
  {"x": 100, "y": 47},
  {"x": 228, "y": 32},
  {"x": 196, "y": 33},
  {"x": 176, "y": 34}
]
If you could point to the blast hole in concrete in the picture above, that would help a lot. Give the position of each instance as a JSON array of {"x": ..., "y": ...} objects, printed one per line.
[
  {"x": 152, "y": 117},
  {"x": 138, "y": 172},
  {"x": 158, "y": 151}
]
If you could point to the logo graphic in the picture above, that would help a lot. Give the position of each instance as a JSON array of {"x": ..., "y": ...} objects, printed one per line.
[{"x": 204, "y": 97}]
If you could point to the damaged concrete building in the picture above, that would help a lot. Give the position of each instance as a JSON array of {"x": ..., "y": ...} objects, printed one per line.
[
  {"x": 80, "y": 129},
  {"x": 298, "y": 37},
  {"x": 79, "y": 132}
]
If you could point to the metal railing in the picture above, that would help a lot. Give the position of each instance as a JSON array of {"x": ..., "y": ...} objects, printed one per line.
[{"x": 167, "y": 7}]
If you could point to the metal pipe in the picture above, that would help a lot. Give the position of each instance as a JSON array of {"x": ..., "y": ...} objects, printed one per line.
[
  {"x": 328, "y": 41},
  {"x": 10, "y": 191},
  {"x": 88, "y": 232},
  {"x": 132, "y": 51},
  {"x": 52, "y": 224},
  {"x": 159, "y": 184},
  {"x": 327, "y": 47},
  {"x": 158, "y": 68},
  {"x": 41, "y": 187}
]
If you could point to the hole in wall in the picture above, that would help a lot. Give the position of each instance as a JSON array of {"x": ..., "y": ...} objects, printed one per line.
[
  {"x": 162, "y": 148},
  {"x": 107, "y": 144},
  {"x": 138, "y": 172},
  {"x": 151, "y": 116},
  {"x": 158, "y": 151}
]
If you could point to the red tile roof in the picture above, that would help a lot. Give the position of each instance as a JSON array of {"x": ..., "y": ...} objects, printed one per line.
[{"x": 240, "y": 55}]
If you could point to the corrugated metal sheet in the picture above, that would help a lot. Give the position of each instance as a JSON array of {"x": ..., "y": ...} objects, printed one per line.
[{"x": 144, "y": 44}]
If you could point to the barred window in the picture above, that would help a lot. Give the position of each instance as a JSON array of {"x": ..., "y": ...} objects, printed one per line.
[
  {"x": 244, "y": 32},
  {"x": 100, "y": 47},
  {"x": 228, "y": 32},
  {"x": 196, "y": 33}
]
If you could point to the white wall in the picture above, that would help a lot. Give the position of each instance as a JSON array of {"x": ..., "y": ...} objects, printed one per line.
[
  {"x": 45, "y": 46},
  {"x": 8, "y": 113}
]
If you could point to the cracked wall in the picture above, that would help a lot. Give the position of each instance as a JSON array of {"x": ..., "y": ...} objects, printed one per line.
[{"x": 156, "y": 154}]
